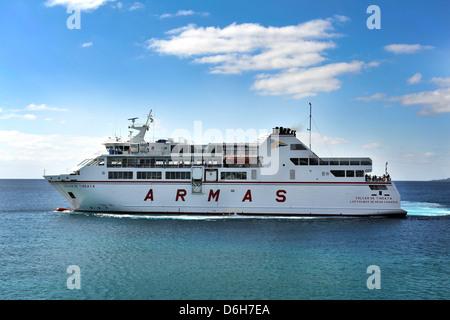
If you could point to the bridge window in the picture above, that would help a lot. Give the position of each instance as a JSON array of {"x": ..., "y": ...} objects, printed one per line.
[{"x": 334, "y": 162}]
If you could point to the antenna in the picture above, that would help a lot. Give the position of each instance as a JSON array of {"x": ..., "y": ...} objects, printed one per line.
[
  {"x": 310, "y": 109},
  {"x": 133, "y": 120}
]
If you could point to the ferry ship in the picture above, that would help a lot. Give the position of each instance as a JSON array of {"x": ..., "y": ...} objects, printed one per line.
[{"x": 278, "y": 176}]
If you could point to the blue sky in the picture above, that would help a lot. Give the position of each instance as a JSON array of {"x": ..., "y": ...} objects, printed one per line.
[{"x": 382, "y": 93}]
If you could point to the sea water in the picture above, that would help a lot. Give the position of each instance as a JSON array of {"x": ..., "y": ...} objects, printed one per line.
[{"x": 119, "y": 256}]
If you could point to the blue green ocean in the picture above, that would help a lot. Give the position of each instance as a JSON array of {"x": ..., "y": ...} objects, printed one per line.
[{"x": 213, "y": 257}]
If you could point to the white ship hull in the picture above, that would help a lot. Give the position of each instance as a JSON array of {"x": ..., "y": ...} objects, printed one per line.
[
  {"x": 279, "y": 176},
  {"x": 298, "y": 199}
]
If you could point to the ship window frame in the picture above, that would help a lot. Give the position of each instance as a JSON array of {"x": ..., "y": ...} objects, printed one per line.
[
  {"x": 338, "y": 173},
  {"x": 233, "y": 175},
  {"x": 378, "y": 187},
  {"x": 119, "y": 175},
  {"x": 178, "y": 175},
  {"x": 333, "y": 162},
  {"x": 304, "y": 161},
  {"x": 359, "y": 173},
  {"x": 149, "y": 175},
  {"x": 313, "y": 161},
  {"x": 114, "y": 162}
]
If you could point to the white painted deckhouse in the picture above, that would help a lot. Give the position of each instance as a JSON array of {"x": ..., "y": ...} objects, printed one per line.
[{"x": 277, "y": 176}]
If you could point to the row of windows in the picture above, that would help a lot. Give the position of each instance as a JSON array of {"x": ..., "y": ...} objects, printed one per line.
[
  {"x": 181, "y": 162},
  {"x": 120, "y": 175},
  {"x": 178, "y": 175},
  {"x": 186, "y": 175},
  {"x": 331, "y": 161},
  {"x": 214, "y": 148},
  {"x": 233, "y": 175},
  {"x": 171, "y": 175},
  {"x": 347, "y": 173},
  {"x": 151, "y": 175}
]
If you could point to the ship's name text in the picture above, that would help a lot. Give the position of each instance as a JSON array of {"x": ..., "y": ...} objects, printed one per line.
[
  {"x": 181, "y": 195},
  {"x": 279, "y": 196},
  {"x": 81, "y": 185},
  {"x": 373, "y": 199}
]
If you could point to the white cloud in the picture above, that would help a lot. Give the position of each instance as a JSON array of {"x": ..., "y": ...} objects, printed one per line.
[
  {"x": 136, "y": 6},
  {"x": 318, "y": 140},
  {"x": 340, "y": 18},
  {"x": 432, "y": 102},
  {"x": 441, "y": 82},
  {"x": 288, "y": 52},
  {"x": 301, "y": 83},
  {"x": 17, "y": 113},
  {"x": 21, "y": 116},
  {"x": 27, "y": 154},
  {"x": 373, "y": 64},
  {"x": 82, "y": 4},
  {"x": 182, "y": 13},
  {"x": 118, "y": 5},
  {"x": 415, "y": 78},
  {"x": 43, "y": 107},
  {"x": 419, "y": 157},
  {"x": 239, "y": 40},
  {"x": 376, "y": 96},
  {"x": 87, "y": 45},
  {"x": 406, "y": 48},
  {"x": 372, "y": 145}
]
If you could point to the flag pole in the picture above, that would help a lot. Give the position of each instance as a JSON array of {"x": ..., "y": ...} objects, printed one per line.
[{"x": 310, "y": 109}]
